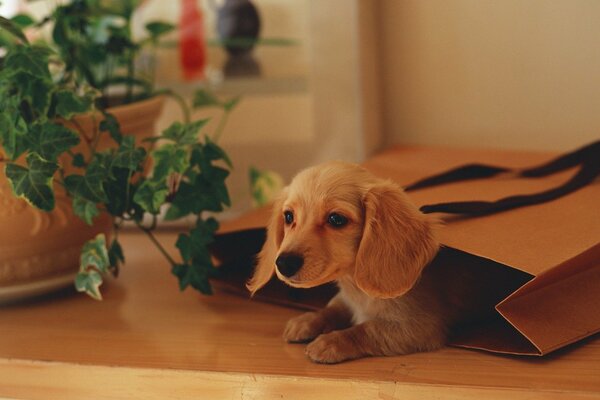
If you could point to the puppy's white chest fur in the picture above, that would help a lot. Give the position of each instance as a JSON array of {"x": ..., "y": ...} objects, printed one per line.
[{"x": 364, "y": 307}]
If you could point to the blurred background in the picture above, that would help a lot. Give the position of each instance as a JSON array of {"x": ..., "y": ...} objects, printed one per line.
[{"x": 342, "y": 79}]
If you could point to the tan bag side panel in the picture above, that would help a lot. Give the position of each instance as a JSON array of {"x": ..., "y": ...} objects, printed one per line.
[
  {"x": 559, "y": 307},
  {"x": 533, "y": 239}
]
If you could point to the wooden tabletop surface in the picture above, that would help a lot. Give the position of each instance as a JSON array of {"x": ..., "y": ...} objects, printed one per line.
[{"x": 148, "y": 340}]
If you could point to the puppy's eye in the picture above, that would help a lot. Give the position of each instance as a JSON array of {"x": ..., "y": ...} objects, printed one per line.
[
  {"x": 288, "y": 217},
  {"x": 337, "y": 220}
]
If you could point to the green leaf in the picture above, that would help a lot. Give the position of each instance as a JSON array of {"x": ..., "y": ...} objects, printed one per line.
[
  {"x": 173, "y": 132},
  {"x": 229, "y": 105},
  {"x": 151, "y": 195},
  {"x": 168, "y": 159},
  {"x": 89, "y": 283},
  {"x": 184, "y": 244},
  {"x": 184, "y": 133},
  {"x": 69, "y": 104},
  {"x": 50, "y": 140},
  {"x": 190, "y": 200},
  {"x": 111, "y": 125},
  {"x": 94, "y": 255},
  {"x": 159, "y": 28},
  {"x": 128, "y": 156},
  {"x": 204, "y": 98},
  {"x": 115, "y": 256},
  {"x": 13, "y": 131},
  {"x": 194, "y": 275},
  {"x": 35, "y": 90},
  {"x": 78, "y": 160},
  {"x": 202, "y": 235},
  {"x": 264, "y": 186},
  {"x": 30, "y": 59},
  {"x": 120, "y": 192},
  {"x": 85, "y": 209},
  {"x": 214, "y": 152},
  {"x": 23, "y": 20},
  {"x": 89, "y": 186},
  {"x": 13, "y": 28},
  {"x": 34, "y": 184}
]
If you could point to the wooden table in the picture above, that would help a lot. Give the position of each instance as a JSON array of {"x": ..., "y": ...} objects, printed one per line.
[{"x": 147, "y": 340}]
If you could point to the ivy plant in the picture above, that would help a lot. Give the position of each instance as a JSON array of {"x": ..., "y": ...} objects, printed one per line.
[{"x": 39, "y": 156}]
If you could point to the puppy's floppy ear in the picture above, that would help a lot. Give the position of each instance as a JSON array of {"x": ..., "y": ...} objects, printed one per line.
[
  {"x": 397, "y": 243},
  {"x": 265, "y": 266}
]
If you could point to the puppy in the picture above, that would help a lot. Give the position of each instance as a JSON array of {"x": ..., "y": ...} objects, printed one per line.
[{"x": 338, "y": 222}]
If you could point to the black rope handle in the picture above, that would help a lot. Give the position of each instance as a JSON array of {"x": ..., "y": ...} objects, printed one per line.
[{"x": 587, "y": 157}]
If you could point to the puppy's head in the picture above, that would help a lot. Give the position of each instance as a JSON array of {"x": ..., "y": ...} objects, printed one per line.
[{"x": 337, "y": 219}]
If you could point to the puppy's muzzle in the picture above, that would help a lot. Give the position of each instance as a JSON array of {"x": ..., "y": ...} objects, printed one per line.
[{"x": 289, "y": 263}]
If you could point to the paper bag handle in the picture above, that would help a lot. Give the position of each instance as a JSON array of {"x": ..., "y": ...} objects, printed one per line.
[{"x": 587, "y": 158}]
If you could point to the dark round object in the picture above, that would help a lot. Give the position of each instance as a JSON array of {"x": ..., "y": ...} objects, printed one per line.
[
  {"x": 241, "y": 66},
  {"x": 238, "y": 22}
]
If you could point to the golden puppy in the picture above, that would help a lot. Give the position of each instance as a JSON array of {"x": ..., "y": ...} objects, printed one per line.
[{"x": 338, "y": 222}]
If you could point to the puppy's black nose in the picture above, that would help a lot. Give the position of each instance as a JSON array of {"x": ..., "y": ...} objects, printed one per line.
[{"x": 289, "y": 263}]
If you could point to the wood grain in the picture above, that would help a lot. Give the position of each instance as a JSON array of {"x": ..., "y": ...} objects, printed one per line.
[
  {"x": 147, "y": 328},
  {"x": 70, "y": 381}
]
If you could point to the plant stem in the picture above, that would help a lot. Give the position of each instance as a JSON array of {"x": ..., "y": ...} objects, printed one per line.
[
  {"x": 130, "y": 73},
  {"x": 182, "y": 104},
  {"x": 150, "y": 235},
  {"x": 221, "y": 126}
]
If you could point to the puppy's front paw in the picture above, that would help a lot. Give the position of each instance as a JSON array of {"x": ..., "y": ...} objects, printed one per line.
[
  {"x": 303, "y": 328},
  {"x": 332, "y": 348}
]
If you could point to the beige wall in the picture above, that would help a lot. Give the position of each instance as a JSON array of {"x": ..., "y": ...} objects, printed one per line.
[{"x": 505, "y": 73}]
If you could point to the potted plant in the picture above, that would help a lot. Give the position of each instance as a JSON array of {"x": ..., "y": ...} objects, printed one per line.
[{"x": 67, "y": 149}]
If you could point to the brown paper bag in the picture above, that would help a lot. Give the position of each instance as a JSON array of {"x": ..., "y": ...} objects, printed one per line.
[{"x": 543, "y": 258}]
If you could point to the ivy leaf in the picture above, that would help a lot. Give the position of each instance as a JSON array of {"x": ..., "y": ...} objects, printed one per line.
[
  {"x": 93, "y": 262},
  {"x": 50, "y": 140},
  {"x": 194, "y": 275},
  {"x": 115, "y": 256},
  {"x": 85, "y": 209},
  {"x": 89, "y": 283},
  {"x": 184, "y": 133},
  {"x": 204, "y": 98},
  {"x": 184, "y": 244},
  {"x": 173, "y": 132},
  {"x": 202, "y": 235},
  {"x": 35, "y": 90},
  {"x": 94, "y": 255},
  {"x": 264, "y": 186},
  {"x": 205, "y": 192},
  {"x": 13, "y": 131},
  {"x": 191, "y": 199},
  {"x": 78, "y": 160},
  {"x": 159, "y": 28},
  {"x": 214, "y": 152},
  {"x": 128, "y": 156},
  {"x": 111, "y": 125},
  {"x": 30, "y": 59},
  {"x": 69, "y": 104},
  {"x": 190, "y": 131},
  {"x": 89, "y": 186},
  {"x": 119, "y": 192},
  {"x": 23, "y": 20},
  {"x": 168, "y": 159},
  {"x": 13, "y": 28},
  {"x": 229, "y": 105},
  {"x": 151, "y": 195},
  {"x": 34, "y": 184}
]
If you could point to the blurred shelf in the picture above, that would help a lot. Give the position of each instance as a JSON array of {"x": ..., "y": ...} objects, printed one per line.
[{"x": 259, "y": 86}]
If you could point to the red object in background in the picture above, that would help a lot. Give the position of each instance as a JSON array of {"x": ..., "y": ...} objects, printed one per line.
[{"x": 192, "y": 47}]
